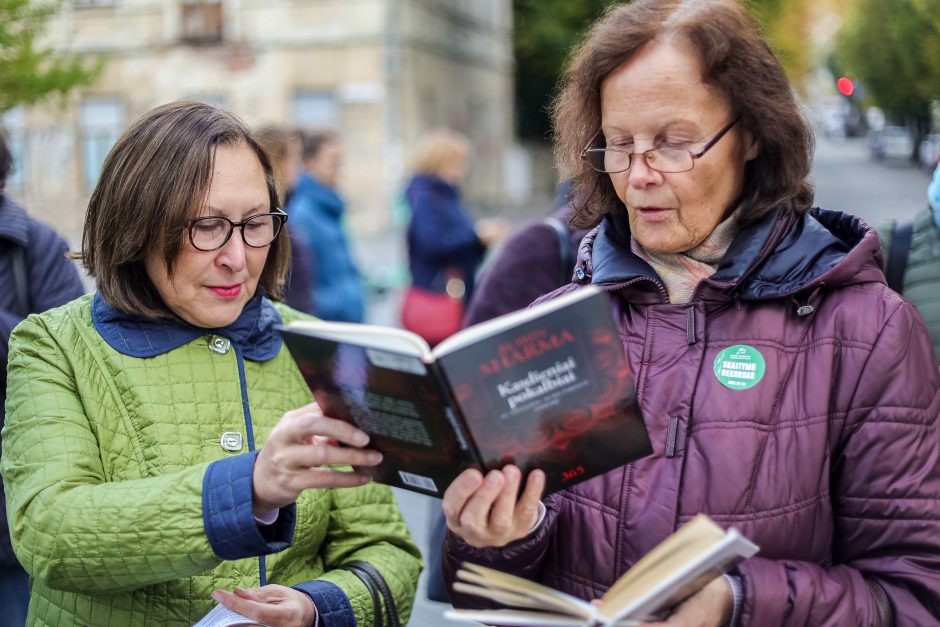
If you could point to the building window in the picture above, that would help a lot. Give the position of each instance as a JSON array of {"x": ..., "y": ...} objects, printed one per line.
[
  {"x": 202, "y": 21},
  {"x": 94, "y": 3},
  {"x": 315, "y": 109},
  {"x": 102, "y": 120},
  {"x": 13, "y": 122},
  {"x": 216, "y": 100}
]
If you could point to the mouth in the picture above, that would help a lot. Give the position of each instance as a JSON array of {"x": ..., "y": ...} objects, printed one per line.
[{"x": 227, "y": 292}]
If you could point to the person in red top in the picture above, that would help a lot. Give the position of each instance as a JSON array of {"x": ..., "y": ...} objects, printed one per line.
[{"x": 787, "y": 391}]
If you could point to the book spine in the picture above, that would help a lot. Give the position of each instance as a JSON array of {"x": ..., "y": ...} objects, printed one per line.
[{"x": 456, "y": 419}]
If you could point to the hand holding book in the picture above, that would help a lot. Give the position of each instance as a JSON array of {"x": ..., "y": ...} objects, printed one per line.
[{"x": 488, "y": 510}]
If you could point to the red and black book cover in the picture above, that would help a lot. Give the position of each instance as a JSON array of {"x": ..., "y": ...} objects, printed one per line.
[
  {"x": 553, "y": 393},
  {"x": 394, "y": 398}
]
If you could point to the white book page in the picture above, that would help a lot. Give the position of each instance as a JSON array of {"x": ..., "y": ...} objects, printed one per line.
[
  {"x": 223, "y": 617},
  {"x": 367, "y": 335},
  {"x": 486, "y": 329}
]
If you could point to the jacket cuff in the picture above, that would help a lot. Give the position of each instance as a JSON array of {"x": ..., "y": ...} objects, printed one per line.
[
  {"x": 227, "y": 512},
  {"x": 737, "y": 592},
  {"x": 333, "y": 606}
]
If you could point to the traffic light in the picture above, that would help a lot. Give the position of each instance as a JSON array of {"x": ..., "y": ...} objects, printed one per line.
[{"x": 845, "y": 86}]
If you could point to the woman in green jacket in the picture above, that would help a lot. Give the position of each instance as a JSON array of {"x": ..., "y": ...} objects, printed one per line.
[{"x": 161, "y": 451}]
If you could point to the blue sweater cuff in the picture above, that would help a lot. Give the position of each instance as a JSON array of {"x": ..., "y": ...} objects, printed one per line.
[
  {"x": 333, "y": 606},
  {"x": 227, "y": 512}
]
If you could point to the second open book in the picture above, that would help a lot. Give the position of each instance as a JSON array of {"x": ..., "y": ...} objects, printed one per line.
[{"x": 677, "y": 568}]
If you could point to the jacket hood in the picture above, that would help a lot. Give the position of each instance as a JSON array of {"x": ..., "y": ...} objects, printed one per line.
[
  {"x": 323, "y": 196},
  {"x": 781, "y": 255},
  {"x": 14, "y": 223}
]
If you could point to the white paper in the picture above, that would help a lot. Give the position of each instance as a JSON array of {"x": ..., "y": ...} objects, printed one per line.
[{"x": 223, "y": 617}]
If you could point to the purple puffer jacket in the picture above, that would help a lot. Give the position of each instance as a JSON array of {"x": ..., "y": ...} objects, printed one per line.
[{"x": 830, "y": 462}]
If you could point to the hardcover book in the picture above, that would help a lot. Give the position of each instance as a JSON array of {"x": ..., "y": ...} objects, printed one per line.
[
  {"x": 677, "y": 568},
  {"x": 547, "y": 387}
]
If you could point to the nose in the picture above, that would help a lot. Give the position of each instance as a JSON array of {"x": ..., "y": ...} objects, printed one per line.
[
  {"x": 641, "y": 175},
  {"x": 233, "y": 255}
]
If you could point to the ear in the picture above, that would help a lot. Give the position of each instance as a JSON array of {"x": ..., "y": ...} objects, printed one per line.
[{"x": 753, "y": 146}]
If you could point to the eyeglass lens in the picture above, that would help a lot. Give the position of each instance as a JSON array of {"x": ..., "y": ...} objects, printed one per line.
[{"x": 212, "y": 233}]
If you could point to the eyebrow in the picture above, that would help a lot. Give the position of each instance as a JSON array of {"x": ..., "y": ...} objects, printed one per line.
[{"x": 220, "y": 212}]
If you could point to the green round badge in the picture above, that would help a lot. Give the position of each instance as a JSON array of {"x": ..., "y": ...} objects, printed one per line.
[{"x": 739, "y": 367}]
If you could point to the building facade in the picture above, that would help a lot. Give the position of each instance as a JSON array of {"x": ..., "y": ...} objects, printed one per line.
[{"x": 379, "y": 72}]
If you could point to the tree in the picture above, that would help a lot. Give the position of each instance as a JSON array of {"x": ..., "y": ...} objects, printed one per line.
[
  {"x": 891, "y": 46},
  {"x": 28, "y": 71}
]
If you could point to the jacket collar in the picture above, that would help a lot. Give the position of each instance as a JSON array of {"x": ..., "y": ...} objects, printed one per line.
[
  {"x": 14, "y": 224},
  {"x": 253, "y": 334},
  {"x": 328, "y": 199},
  {"x": 779, "y": 255}
]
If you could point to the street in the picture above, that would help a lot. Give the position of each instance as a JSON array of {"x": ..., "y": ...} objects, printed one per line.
[{"x": 846, "y": 179}]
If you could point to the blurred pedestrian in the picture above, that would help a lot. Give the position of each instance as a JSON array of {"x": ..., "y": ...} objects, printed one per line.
[
  {"x": 787, "y": 391},
  {"x": 162, "y": 452},
  {"x": 35, "y": 275},
  {"x": 284, "y": 150},
  {"x": 912, "y": 259},
  {"x": 445, "y": 245},
  {"x": 317, "y": 212}
]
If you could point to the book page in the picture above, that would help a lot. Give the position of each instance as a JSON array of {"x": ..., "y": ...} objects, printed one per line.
[
  {"x": 223, "y": 617},
  {"x": 370, "y": 336},
  {"x": 507, "y": 321},
  {"x": 498, "y": 580}
]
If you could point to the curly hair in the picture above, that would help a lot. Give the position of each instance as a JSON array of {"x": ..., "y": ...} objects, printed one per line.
[{"x": 736, "y": 59}]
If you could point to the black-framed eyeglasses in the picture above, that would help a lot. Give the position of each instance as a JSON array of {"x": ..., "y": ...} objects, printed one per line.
[
  {"x": 662, "y": 159},
  {"x": 213, "y": 232}
]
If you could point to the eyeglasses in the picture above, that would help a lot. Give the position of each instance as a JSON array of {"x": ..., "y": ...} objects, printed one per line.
[
  {"x": 662, "y": 159},
  {"x": 213, "y": 232}
]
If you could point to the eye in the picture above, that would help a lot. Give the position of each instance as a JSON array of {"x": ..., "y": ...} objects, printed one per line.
[{"x": 209, "y": 226}]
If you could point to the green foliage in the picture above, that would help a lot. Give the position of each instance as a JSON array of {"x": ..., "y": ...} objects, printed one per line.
[
  {"x": 29, "y": 72},
  {"x": 545, "y": 33}
]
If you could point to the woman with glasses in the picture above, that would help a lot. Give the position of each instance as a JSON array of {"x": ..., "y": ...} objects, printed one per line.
[
  {"x": 161, "y": 451},
  {"x": 787, "y": 391}
]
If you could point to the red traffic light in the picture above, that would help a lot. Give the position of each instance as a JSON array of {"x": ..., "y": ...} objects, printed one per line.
[{"x": 845, "y": 86}]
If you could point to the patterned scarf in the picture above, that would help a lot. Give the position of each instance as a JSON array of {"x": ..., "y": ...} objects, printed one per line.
[{"x": 682, "y": 272}]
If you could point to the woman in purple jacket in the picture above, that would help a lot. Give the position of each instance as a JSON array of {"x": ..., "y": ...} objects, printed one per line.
[{"x": 690, "y": 156}]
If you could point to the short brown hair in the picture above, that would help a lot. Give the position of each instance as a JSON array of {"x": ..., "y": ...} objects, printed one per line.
[
  {"x": 735, "y": 58},
  {"x": 154, "y": 180},
  {"x": 311, "y": 142},
  {"x": 437, "y": 149}
]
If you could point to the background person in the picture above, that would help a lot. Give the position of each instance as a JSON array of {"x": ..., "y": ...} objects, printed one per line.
[
  {"x": 317, "y": 211},
  {"x": 161, "y": 449},
  {"x": 827, "y": 458},
  {"x": 35, "y": 275}
]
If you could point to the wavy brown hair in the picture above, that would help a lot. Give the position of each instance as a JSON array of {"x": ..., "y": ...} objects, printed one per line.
[
  {"x": 735, "y": 59},
  {"x": 154, "y": 180}
]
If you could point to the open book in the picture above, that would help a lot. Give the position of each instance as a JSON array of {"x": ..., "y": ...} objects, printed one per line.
[
  {"x": 220, "y": 616},
  {"x": 547, "y": 387},
  {"x": 677, "y": 568}
]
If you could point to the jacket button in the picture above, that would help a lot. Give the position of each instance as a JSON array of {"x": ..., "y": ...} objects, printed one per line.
[
  {"x": 219, "y": 344},
  {"x": 232, "y": 441},
  {"x": 580, "y": 274}
]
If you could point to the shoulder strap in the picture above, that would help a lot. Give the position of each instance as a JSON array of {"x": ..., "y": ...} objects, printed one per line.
[
  {"x": 565, "y": 249},
  {"x": 897, "y": 256},
  {"x": 20, "y": 280},
  {"x": 374, "y": 581}
]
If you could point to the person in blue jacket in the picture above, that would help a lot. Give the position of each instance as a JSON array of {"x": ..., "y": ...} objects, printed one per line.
[
  {"x": 444, "y": 243},
  {"x": 316, "y": 217},
  {"x": 35, "y": 275}
]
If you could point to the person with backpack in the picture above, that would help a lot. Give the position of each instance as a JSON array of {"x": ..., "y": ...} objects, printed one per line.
[
  {"x": 912, "y": 259},
  {"x": 35, "y": 275}
]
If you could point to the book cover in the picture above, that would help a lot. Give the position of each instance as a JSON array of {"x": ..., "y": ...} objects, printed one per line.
[{"x": 547, "y": 388}]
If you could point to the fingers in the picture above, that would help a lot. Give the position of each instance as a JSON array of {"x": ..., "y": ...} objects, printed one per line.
[
  {"x": 502, "y": 514},
  {"x": 458, "y": 493},
  {"x": 303, "y": 424},
  {"x": 527, "y": 509},
  {"x": 269, "y": 605},
  {"x": 313, "y": 455}
]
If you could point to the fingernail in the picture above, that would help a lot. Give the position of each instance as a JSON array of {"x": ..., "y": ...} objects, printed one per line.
[
  {"x": 216, "y": 596},
  {"x": 360, "y": 439},
  {"x": 493, "y": 478},
  {"x": 375, "y": 458}
]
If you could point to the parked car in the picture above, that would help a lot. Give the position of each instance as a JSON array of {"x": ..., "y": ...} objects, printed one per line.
[
  {"x": 929, "y": 152},
  {"x": 892, "y": 143}
]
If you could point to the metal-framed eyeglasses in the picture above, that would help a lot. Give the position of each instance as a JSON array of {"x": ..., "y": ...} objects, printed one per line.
[
  {"x": 665, "y": 159},
  {"x": 210, "y": 233}
]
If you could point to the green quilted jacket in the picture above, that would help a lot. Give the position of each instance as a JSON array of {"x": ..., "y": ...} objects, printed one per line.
[
  {"x": 922, "y": 275},
  {"x": 105, "y": 463}
]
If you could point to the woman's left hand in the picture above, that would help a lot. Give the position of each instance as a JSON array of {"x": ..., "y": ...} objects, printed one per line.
[
  {"x": 273, "y": 605},
  {"x": 709, "y": 607}
]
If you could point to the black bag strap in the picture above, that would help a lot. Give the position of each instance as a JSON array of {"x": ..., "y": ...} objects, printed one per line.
[
  {"x": 565, "y": 249},
  {"x": 897, "y": 256},
  {"x": 376, "y": 585},
  {"x": 23, "y": 307}
]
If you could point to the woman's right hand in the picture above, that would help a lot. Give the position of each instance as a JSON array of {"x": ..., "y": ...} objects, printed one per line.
[
  {"x": 486, "y": 512},
  {"x": 294, "y": 458}
]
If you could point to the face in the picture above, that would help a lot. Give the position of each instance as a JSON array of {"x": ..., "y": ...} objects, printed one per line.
[
  {"x": 210, "y": 289},
  {"x": 326, "y": 165},
  {"x": 658, "y": 98},
  {"x": 454, "y": 169}
]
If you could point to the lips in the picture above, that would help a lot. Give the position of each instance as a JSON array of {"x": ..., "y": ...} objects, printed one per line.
[{"x": 227, "y": 292}]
